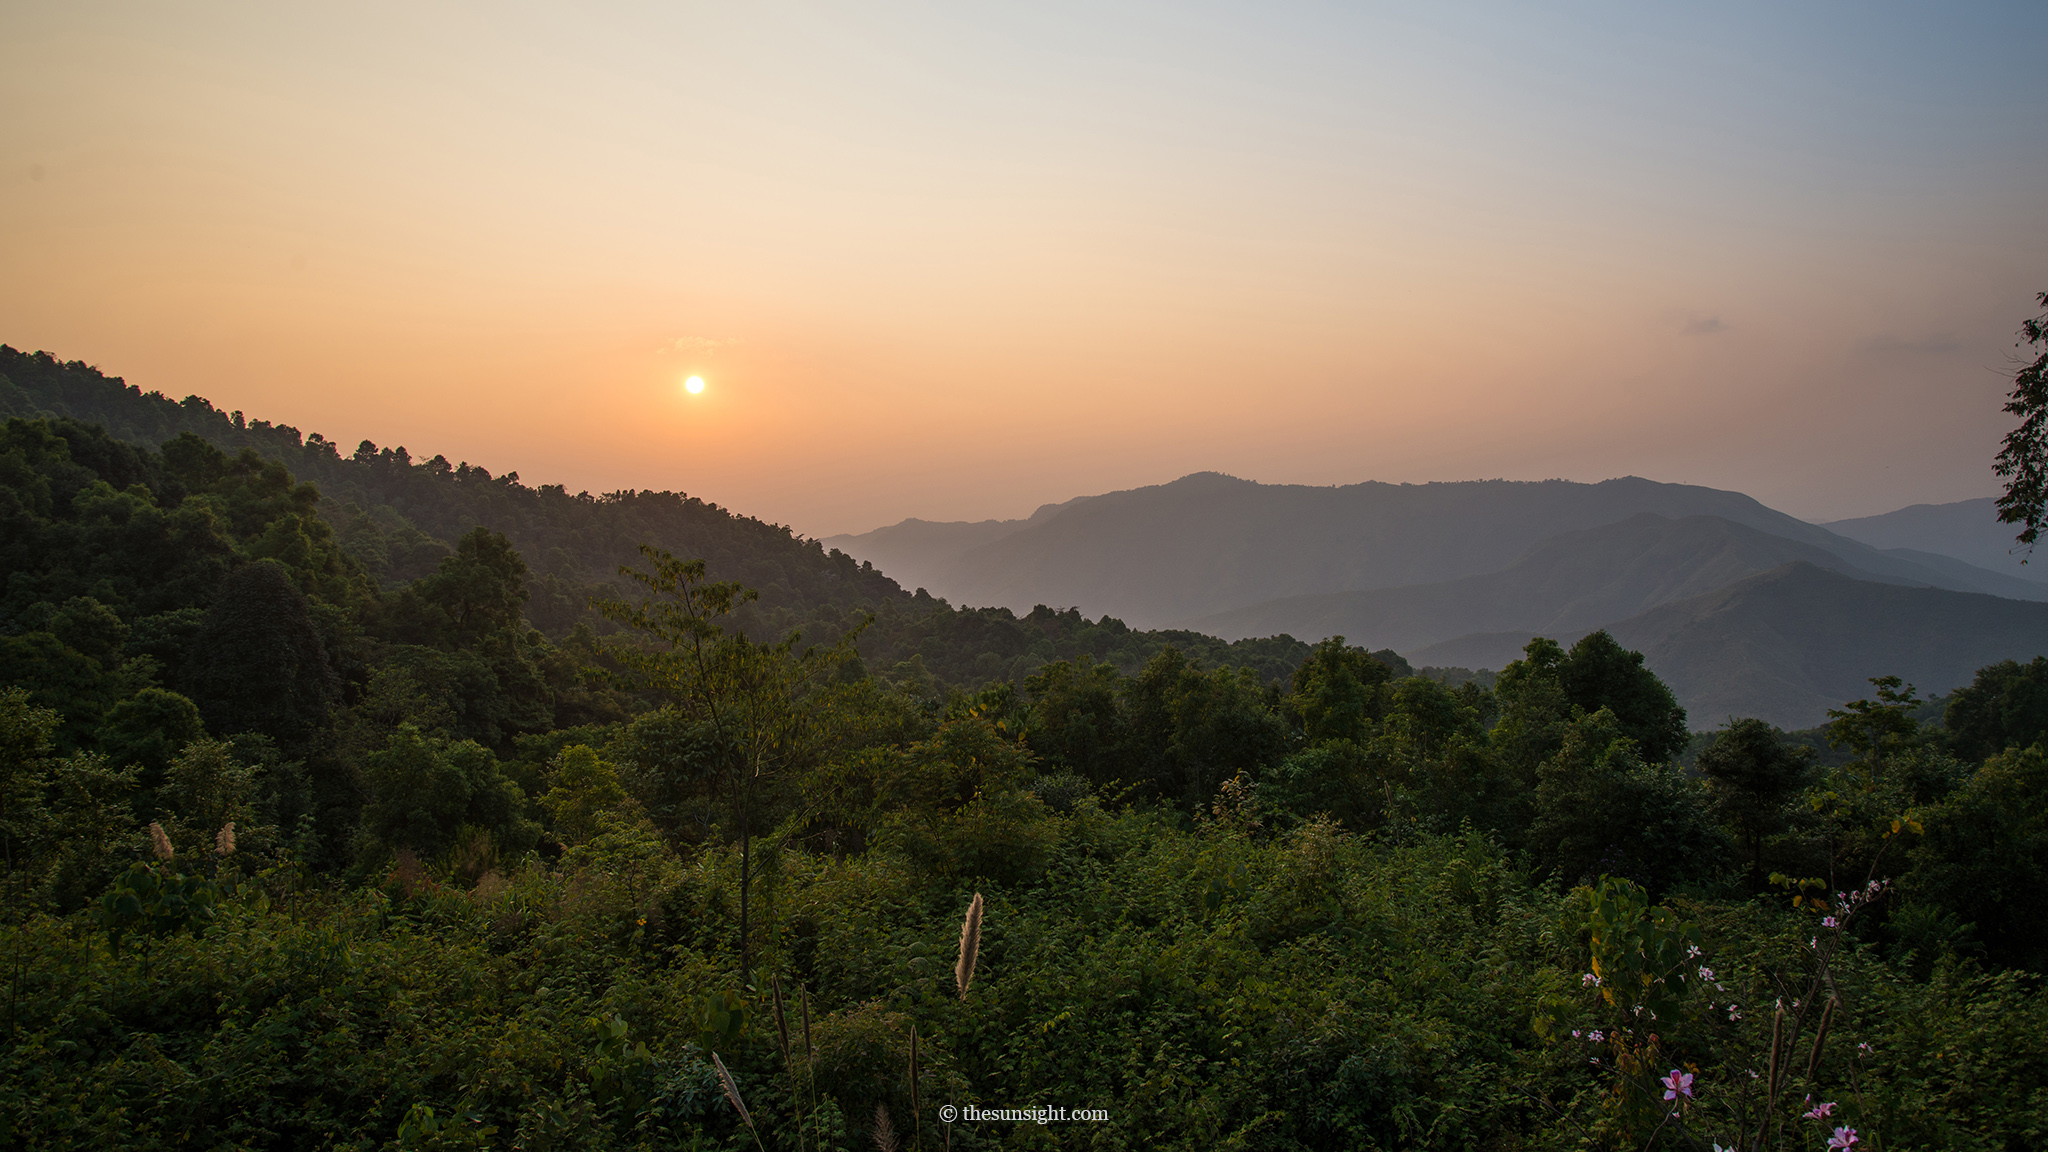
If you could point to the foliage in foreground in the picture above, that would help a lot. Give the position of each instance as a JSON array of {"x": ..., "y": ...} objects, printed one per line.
[{"x": 1215, "y": 986}]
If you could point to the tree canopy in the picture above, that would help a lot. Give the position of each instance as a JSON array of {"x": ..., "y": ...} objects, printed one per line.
[{"x": 2023, "y": 457}]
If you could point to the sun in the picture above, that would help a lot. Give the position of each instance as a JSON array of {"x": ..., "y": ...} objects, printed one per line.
[{"x": 694, "y": 384}]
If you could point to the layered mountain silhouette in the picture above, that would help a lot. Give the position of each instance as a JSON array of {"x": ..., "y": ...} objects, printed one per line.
[
  {"x": 1789, "y": 644},
  {"x": 1173, "y": 554},
  {"x": 1967, "y": 530},
  {"x": 1743, "y": 609},
  {"x": 1566, "y": 585}
]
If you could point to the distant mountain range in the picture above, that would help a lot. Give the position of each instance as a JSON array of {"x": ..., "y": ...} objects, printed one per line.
[
  {"x": 1967, "y": 530},
  {"x": 1188, "y": 552},
  {"x": 1569, "y": 584},
  {"x": 1789, "y": 644},
  {"x": 1465, "y": 573}
]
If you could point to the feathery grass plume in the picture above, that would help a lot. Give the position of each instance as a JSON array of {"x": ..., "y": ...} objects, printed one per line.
[
  {"x": 788, "y": 1065},
  {"x": 804, "y": 1002},
  {"x": 916, "y": 1108},
  {"x": 160, "y": 842},
  {"x": 885, "y": 1132},
  {"x": 970, "y": 946},
  {"x": 1771, "y": 1078},
  {"x": 732, "y": 1096},
  {"x": 1820, "y": 1036},
  {"x": 224, "y": 841},
  {"x": 732, "y": 1091},
  {"x": 781, "y": 1025}
]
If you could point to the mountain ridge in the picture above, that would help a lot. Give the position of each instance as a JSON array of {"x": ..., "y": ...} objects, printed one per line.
[
  {"x": 1966, "y": 530},
  {"x": 1207, "y": 543},
  {"x": 1572, "y": 581}
]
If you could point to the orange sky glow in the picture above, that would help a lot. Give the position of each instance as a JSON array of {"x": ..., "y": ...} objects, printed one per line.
[{"x": 957, "y": 261}]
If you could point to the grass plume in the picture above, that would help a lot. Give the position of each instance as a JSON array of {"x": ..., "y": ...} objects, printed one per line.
[
  {"x": 732, "y": 1096},
  {"x": 916, "y": 1106},
  {"x": 1820, "y": 1036},
  {"x": 970, "y": 946},
  {"x": 804, "y": 1004},
  {"x": 885, "y": 1132}
]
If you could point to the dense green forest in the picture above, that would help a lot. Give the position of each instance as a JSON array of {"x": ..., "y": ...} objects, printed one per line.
[{"x": 316, "y": 835}]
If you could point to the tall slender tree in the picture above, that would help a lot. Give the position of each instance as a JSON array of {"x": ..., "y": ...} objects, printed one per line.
[{"x": 763, "y": 701}]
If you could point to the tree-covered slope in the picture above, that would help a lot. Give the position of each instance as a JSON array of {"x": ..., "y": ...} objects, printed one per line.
[
  {"x": 1788, "y": 644},
  {"x": 1791, "y": 643},
  {"x": 397, "y": 516}
]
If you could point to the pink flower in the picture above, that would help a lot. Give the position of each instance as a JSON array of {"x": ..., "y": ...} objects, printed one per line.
[
  {"x": 1829, "y": 922},
  {"x": 1843, "y": 1138},
  {"x": 1821, "y": 1111},
  {"x": 1590, "y": 980},
  {"x": 1595, "y": 1036},
  {"x": 1677, "y": 1084},
  {"x": 1706, "y": 973}
]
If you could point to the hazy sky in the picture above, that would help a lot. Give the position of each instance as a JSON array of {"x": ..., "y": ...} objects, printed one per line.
[{"x": 955, "y": 260}]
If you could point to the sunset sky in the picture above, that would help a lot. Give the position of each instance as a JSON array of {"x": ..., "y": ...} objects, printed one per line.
[{"x": 957, "y": 260}]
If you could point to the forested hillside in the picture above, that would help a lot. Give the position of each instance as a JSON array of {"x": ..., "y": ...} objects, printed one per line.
[
  {"x": 397, "y": 517},
  {"x": 1789, "y": 644},
  {"x": 301, "y": 853}
]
